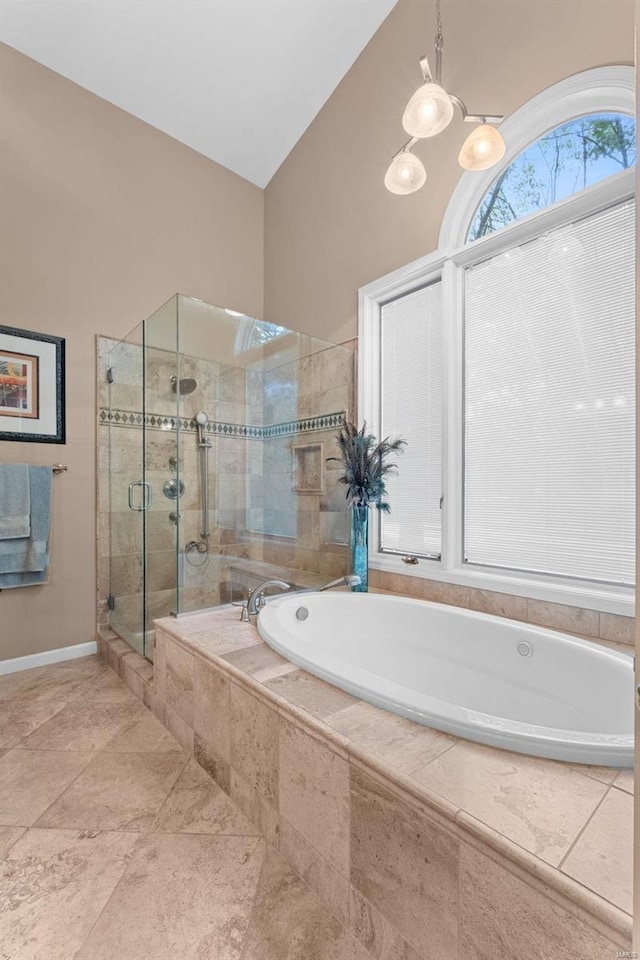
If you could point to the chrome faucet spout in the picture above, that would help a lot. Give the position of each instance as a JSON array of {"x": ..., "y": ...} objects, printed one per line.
[
  {"x": 352, "y": 580},
  {"x": 256, "y": 597}
]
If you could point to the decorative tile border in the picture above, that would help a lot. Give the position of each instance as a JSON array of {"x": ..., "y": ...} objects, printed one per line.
[{"x": 153, "y": 421}]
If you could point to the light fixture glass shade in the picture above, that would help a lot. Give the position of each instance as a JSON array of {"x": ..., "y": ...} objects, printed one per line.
[
  {"x": 482, "y": 149},
  {"x": 428, "y": 112},
  {"x": 406, "y": 173}
]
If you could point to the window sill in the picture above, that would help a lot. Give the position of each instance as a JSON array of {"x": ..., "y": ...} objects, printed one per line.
[{"x": 571, "y": 593}]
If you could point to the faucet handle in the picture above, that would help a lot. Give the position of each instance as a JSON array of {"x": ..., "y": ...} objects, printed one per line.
[{"x": 244, "y": 612}]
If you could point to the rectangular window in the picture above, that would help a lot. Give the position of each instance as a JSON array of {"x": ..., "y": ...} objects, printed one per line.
[
  {"x": 411, "y": 408},
  {"x": 549, "y": 403}
]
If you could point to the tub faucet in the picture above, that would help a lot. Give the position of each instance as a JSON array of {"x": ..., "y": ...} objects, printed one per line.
[
  {"x": 352, "y": 580},
  {"x": 256, "y": 597}
]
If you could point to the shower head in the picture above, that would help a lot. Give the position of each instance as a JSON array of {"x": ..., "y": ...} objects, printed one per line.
[
  {"x": 201, "y": 417},
  {"x": 183, "y": 387}
]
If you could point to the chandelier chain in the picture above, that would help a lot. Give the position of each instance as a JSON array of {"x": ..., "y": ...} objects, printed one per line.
[{"x": 439, "y": 41}]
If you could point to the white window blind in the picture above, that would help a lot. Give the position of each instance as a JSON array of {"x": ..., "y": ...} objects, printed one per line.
[
  {"x": 411, "y": 408},
  {"x": 549, "y": 403}
]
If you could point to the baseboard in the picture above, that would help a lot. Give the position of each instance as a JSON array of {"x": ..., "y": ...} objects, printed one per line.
[{"x": 48, "y": 656}]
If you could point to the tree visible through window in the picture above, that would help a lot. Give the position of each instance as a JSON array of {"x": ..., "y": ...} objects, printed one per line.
[{"x": 559, "y": 164}]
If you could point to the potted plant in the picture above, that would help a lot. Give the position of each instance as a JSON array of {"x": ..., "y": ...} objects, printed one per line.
[{"x": 366, "y": 464}]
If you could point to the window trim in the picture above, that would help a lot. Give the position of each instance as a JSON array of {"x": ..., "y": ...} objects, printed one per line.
[{"x": 449, "y": 263}]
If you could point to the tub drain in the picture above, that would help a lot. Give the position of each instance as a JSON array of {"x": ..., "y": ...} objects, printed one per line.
[
  {"x": 302, "y": 613},
  {"x": 525, "y": 649}
]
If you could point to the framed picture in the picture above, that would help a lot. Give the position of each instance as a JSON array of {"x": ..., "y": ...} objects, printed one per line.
[{"x": 31, "y": 386}]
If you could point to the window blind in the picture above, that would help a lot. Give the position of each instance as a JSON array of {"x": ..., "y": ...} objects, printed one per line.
[
  {"x": 411, "y": 408},
  {"x": 549, "y": 403}
]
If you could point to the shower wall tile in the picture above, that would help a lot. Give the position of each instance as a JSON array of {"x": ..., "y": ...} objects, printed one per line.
[
  {"x": 126, "y": 575},
  {"x": 406, "y": 866}
]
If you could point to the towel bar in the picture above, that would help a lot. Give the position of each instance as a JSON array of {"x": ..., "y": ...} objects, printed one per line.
[{"x": 59, "y": 468}]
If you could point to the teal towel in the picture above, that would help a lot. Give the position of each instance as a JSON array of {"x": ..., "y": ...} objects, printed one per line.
[
  {"x": 15, "y": 501},
  {"x": 20, "y": 559}
]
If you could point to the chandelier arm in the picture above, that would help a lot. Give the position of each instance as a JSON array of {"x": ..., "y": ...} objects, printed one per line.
[{"x": 405, "y": 146}]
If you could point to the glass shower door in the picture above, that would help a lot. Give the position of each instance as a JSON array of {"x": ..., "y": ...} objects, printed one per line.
[{"x": 130, "y": 493}]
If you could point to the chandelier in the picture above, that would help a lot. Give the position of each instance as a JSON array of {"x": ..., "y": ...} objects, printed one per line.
[{"x": 429, "y": 111}]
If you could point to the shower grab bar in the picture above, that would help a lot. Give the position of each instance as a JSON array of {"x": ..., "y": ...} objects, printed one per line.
[
  {"x": 147, "y": 497},
  {"x": 205, "y": 446}
]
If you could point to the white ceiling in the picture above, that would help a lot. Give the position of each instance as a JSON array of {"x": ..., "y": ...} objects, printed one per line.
[{"x": 237, "y": 80}]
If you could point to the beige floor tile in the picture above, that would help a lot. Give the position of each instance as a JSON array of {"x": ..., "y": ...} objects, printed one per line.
[
  {"x": 43, "y": 683},
  {"x": 318, "y": 698},
  {"x": 197, "y": 805},
  {"x": 54, "y": 884},
  {"x": 624, "y": 781},
  {"x": 8, "y": 836},
  {"x": 144, "y": 735},
  {"x": 403, "y": 744},
  {"x": 107, "y": 689},
  {"x": 84, "y": 726},
  {"x": 503, "y": 918},
  {"x": 117, "y": 791},
  {"x": 602, "y": 858},
  {"x": 30, "y": 780},
  {"x": 290, "y": 923},
  {"x": 21, "y": 716},
  {"x": 182, "y": 897},
  {"x": 511, "y": 793}
]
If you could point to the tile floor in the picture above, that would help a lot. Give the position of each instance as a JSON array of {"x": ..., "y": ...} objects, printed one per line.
[{"x": 114, "y": 845}]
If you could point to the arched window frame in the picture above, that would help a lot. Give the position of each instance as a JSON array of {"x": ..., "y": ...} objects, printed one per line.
[{"x": 601, "y": 90}]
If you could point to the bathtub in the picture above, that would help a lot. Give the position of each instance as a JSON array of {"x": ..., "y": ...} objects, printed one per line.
[{"x": 488, "y": 679}]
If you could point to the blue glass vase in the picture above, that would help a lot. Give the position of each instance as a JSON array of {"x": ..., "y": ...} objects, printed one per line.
[{"x": 360, "y": 546}]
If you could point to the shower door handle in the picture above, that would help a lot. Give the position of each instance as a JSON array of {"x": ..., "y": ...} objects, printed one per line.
[{"x": 147, "y": 498}]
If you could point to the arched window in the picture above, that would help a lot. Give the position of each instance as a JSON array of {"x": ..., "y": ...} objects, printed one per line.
[
  {"x": 506, "y": 360},
  {"x": 563, "y": 161}
]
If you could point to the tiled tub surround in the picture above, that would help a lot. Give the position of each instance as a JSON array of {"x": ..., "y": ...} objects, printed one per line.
[
  {"x": 605, "y": 627},
  {"x": 424, "y": 846}
]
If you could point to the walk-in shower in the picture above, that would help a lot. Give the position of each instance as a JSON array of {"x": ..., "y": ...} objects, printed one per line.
[{"x": 213, "y": 477}]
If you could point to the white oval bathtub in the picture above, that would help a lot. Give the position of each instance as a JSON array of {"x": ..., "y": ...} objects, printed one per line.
[{"x": 488, "y": 679}]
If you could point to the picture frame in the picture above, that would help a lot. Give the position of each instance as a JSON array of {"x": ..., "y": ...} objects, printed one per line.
[{"x": 32, "y": 386}]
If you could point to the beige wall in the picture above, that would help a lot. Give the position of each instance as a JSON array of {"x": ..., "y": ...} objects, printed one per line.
[
  {"x": 103, "y": 218},
  {"x": 330, "y": 224}
]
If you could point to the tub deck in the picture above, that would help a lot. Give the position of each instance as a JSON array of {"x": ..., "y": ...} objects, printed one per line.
[{"x": 355, "y": 798}]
